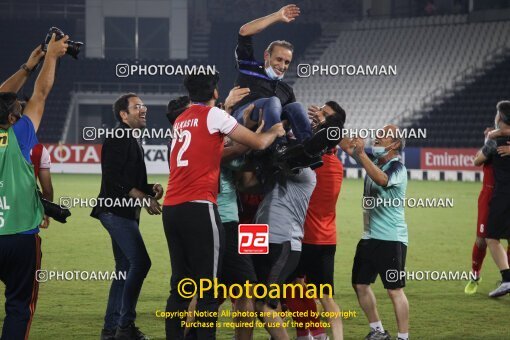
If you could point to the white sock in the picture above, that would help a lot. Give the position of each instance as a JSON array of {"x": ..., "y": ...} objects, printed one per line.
[
  {"x": 377, "y": 326},
  {"x": 403, "y": 336}
]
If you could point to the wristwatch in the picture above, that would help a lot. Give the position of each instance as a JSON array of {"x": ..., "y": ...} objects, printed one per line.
[{"x": 25, "y": 68}]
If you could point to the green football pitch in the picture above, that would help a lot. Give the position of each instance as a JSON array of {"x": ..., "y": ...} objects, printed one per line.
[{"x": 440, "y": 239}]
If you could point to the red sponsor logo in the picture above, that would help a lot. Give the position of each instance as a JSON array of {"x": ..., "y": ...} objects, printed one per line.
[
  {"x": 74, "y": 153},
  {"x": 253, "y": 239},
  {"x": 448, "y": 159}
]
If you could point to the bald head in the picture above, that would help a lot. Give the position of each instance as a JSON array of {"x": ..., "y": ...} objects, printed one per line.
[
  {"x": 390, "y": 129},
  {"x": 392, "y": 139}
]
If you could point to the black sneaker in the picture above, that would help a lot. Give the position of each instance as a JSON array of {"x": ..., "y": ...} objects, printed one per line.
[
  {"x": 377, "y": 335},
  {"x": 131, "y": 332},
  {"x": 107, "y": 334}
]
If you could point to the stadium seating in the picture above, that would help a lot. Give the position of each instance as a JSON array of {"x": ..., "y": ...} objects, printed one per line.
[
  {"x": 445, "y": 65},
  {"x": 430, "y": 54},
  {"x": 458, "y": 117},
  {"x": 247, "y": 10}
]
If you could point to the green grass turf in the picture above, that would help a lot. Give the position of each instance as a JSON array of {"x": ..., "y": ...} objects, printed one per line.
[{"x": 440, "y": 239}]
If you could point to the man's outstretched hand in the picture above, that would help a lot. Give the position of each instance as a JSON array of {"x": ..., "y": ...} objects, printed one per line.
[
  {"x": 35, "y": 57},
  {"x": 235, "y": 96},
  {"x": 57, "y": 48},
  {"x": 288, "y": 13},
  {"x": 313, "y": 115}
]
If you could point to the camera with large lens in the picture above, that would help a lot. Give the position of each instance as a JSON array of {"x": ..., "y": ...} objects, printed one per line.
[
  {"x": 73, "y": 48},
  {"x": 54, "y": 211}
]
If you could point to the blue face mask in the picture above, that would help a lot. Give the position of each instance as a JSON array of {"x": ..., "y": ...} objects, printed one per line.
[
  {"x": 379, "y": 151},
  {"x": 272, "y": 74}
]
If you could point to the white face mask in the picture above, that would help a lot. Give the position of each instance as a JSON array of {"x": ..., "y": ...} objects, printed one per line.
[{"x": 272, "y": 74}]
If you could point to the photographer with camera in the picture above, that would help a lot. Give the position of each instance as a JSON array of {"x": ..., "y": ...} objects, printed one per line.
[
  {"x": 15, "y": 82},
  {"x": 18, "y": 79},
  {"x": 21, "y": 211}
]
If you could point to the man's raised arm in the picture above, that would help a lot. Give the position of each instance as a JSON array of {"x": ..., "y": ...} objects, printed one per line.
[
  {"x": 18, "y": 79},
  {"x": 35, "y": 106},
  {"x": 286, "y": 14}
]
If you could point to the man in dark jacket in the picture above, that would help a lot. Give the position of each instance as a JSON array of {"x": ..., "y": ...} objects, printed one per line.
[
  {"x": 267, "y": 90},
  {"x": 124, "y": 182}
]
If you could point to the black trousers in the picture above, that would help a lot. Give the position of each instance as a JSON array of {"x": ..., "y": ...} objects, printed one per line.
[
  {"x": 20, "y": 258},
  {"x": 195, "y": 238}
]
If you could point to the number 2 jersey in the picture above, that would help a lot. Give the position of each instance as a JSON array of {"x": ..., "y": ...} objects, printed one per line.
[{"x": 195, "y": 154}]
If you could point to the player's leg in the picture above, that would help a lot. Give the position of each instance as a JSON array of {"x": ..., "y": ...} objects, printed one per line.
[
  {"x": 244, "y": 304},
  {"x": 500, "y": 258},
  {"x": 498, "y": 227},
  {"x": 304, "y": 305},
  {"x": 364, "y": 273},
  {"x": 20, "y": 258},
  {"x": 204, "y": 241},
  {"x": 126, "y": 233},
  {"x": 112, "y": 315},
  {"x": 308, "y": 323},
  {"x": 191, "y": 316},
  {"x": 270, "y": 108},
  {"x": 477, "y": 256},
  {"x": 390, "y": 260},
  {"x": 319, "y": 270},
  {"x": 498, "y": 253},
  {"x": 274, "y": 268},
  {"x": 479, "y": 252},
  {"x": 329, "y": 305},
  {"x": 173, "y": 219},
  {"x": 273, "y": 324},
  {"x": 297, "y": 116},
  {"x": 401, "y": 308},
  {"x": 368, "y": 304},
  {"x": 237, "y": 269},
  {"x": 480, "y": 247}
]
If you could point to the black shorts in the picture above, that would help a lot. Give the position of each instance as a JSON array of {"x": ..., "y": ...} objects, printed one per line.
[
  {"x": 236, "y": 268},
  {"x": 386, "y": 258},
  {"x": 275, "y": 267},
  {"x": 196, "y": 241},
  {"x": 498, "y": 223},
  {"x": 317, "y": 263}
]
